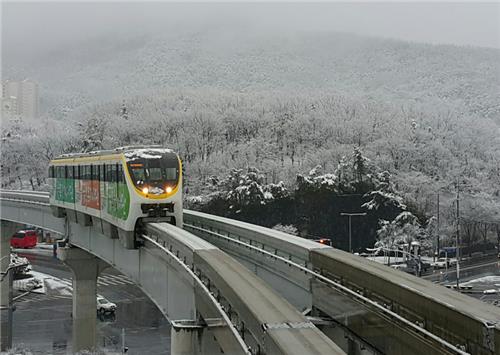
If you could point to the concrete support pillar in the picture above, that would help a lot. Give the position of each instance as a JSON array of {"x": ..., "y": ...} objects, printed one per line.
[
  {"x": 189, "y": 337},
  {"x": 86, "y": 268},
  {"x": 184, "y": 338},
  {"x": 5, "y": 288}
]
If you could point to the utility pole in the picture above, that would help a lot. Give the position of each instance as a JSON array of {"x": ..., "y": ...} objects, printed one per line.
[
  {"x": 458, "y": 236},
  {"x": 350, "y": 215},
  {"x": 437, "y": 227}
]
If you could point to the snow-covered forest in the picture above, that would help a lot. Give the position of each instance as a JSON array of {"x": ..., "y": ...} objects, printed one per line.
[{"x": 283, "y": 118}]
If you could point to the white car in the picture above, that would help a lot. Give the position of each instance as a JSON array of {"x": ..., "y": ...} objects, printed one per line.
[
  {"x": 441, "y": 263},
  {"x": 104, "y": 306}
]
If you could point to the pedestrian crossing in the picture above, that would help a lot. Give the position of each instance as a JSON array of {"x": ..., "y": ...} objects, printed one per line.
[{"x": 106, "y": 280}]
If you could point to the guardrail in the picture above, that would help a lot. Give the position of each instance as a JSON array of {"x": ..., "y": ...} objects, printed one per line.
[
  {"x": 259, "y": 320},
  {"x": 35, "y": 197},
  {"x": 161, "y": 245},
  {"x": 265, "y": 322},
  {"x": 477, "y": 329},
  {"x": 368, "y": 285}
]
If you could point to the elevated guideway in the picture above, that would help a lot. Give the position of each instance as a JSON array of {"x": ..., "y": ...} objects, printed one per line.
[
  {"x": 215, "y": 304},
  {"x": 386, "y": 310}
]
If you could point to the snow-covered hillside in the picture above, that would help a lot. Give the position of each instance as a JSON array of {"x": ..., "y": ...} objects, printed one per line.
[{"x": 464, "y": 78}]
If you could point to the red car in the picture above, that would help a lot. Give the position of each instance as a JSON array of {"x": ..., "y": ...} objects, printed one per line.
[{"x": 24, "y": 239}]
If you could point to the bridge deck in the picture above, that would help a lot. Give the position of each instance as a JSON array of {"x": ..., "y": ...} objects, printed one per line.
[
  {"x": 272, "y": 317},
  {"x": 443, "y": 311}
]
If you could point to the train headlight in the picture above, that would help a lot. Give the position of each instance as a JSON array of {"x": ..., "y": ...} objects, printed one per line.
[
  {"x": 168, "y": 189},
  {"x": 145, "y": 190}
]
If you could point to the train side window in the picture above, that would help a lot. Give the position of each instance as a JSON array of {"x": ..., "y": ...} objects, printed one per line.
[
  {"x": 119, "y": 173},
  {"x": 51, "y": 171},
  {"x": 103, "y": 172},
  {"x": 77, "y": 172},
  {"x": 113, "y": 173},
  {"x": 69, "y": 172}
]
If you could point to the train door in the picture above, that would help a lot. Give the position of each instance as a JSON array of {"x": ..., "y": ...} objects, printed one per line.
[
  {"x": 111, "y": 190},
  {"x": 102, "y": 190}
]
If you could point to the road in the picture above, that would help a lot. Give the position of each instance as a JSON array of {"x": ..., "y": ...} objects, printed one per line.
[
  {"x": 469, "y": 269},
  {"x": 43, "y": 323}
]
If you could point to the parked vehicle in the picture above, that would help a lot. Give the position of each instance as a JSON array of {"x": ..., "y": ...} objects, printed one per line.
[
  {"x": 24, "y": 239},
  {"x": 441, "y": 263},
  {"x": 105, "y": 306}
]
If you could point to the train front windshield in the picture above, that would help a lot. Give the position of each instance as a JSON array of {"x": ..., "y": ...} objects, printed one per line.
[{"x": 154, "y": 173}]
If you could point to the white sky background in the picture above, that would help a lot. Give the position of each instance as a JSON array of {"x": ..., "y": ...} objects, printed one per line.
[{"x": 32, "y": 28}]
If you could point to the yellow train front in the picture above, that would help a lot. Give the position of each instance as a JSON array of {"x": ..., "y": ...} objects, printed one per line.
[{"x": 116, "y": 191}]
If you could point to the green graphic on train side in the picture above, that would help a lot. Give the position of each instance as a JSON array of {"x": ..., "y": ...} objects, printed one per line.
[
  {"x": 65, "y": 190},
  {"x": 118, "y": 200}
]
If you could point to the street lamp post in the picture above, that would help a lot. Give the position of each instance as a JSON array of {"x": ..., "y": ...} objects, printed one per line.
[
  {"x": 438, "y": 244},
  {"x": 458, "y": 236},
  {"x": 350, "y": 215}
]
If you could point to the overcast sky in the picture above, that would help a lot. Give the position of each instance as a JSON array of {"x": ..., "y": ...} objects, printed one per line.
[{"x": 31, "y": 27}]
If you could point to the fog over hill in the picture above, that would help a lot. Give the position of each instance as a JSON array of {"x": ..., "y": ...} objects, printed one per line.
[
  {"x": 465, "y": 79},
  {"x": 270, "y": 92}
]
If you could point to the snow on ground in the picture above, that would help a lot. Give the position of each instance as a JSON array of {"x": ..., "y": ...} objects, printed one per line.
[
  {"x": 44, "y": 250},
  {"x": 48, "y": 246},
  {"x": 50, "y": 284},
  {"x": 53, "y": 285},
  {"x": 395, "y": 260},
  {"x": 493, "y": 279}
]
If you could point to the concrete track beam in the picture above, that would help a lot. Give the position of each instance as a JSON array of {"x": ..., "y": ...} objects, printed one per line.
[{"x": 85, "y": 268}]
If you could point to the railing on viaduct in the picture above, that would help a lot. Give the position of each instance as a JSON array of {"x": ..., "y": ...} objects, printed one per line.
[
  {"x": 194, "y": 284},
  {"x": 377, "y": 309}
]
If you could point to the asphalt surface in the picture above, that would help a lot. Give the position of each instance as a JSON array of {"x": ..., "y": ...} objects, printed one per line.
[
  {"x": 468, "y": 269},
  {"x": 43, "y": 323},
  {"x": 479, "y": 275}
]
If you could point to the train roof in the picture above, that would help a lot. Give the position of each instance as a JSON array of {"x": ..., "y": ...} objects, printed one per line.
[{"x": 128, "y": 150}]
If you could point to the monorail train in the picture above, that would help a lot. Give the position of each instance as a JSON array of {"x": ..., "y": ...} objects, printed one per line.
[{"x": 118, "y": 190}]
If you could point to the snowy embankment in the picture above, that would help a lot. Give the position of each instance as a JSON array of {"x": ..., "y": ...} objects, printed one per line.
[
  {"x": 24, "y": 351},
  {"x": 50, "y": 285},
  {"x": 486, "y": 281},
  {"x": 40, "y": 248}
]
